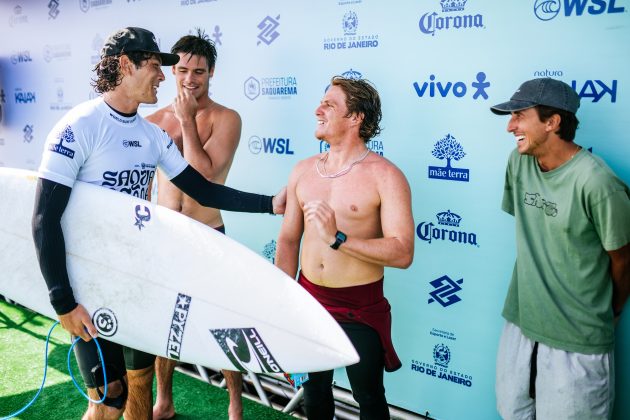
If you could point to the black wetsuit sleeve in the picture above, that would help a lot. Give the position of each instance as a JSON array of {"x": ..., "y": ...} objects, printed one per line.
[
  {"x": 218, "y": 196},
  {"x": 51, "y": 200}
]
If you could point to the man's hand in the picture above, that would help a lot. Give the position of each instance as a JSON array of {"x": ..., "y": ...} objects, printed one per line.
[
  {"x": 279, "y": 201},
  {"x": 323, "y": 217},
  {"x": 185, "y": 105},
  {"x": 76, "y": 321}
]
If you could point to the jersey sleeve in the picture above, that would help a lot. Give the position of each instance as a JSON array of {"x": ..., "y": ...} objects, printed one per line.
[
  {"x": 65, "y": 152},
  {"x": 170, "y": 161}
]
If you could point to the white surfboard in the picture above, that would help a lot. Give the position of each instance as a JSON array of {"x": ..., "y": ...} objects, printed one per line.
[{"x": 160, "y": 282}]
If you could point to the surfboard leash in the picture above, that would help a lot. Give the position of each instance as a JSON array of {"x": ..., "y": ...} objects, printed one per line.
[{"x": 41, "y": 387}]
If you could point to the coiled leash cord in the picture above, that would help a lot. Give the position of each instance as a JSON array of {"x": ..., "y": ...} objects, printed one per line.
[{"x": 100, "y": 354}]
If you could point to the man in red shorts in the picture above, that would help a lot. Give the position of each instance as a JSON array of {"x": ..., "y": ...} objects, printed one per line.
[{"x": 351, "y": 211}]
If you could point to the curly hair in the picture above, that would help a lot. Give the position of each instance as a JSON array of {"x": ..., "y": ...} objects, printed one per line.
[
  {"x": 199, "y": 44},
  {"x": 108, "y": 74},
  {"x": 362, "y": 98}
]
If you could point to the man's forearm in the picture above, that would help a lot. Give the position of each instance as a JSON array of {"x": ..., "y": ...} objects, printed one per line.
[
  {"x": 220, "y": 197},
  {"x": 50, "y": 202}
]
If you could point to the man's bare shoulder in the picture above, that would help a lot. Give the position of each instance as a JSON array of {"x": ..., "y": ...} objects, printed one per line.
[
  {"x": 303, "y": 166},
  {"x": 214, "y": 112},
  {"x": 307, "y": 163},
  {"x": 383, "y": 169},
  {"x": 161, "y": 115}
]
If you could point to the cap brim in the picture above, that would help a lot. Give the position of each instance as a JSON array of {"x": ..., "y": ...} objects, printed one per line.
[
  {"x": 511, "y": 106},
  {"x": 169, "y": 59}
]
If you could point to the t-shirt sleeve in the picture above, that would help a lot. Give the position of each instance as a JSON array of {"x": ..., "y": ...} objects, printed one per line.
[
  {"x": 611, "y": 217},
  {"x": 171, "y": 161},
  {"x": 65, "y": 151},
  {"x": 507, "y": 204}
]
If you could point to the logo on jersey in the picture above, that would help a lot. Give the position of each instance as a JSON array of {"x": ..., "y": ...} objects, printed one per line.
[
  {"x": 131, "y": 143},
  {"x": 176, "y": 335},
  {"x": 246, "y": 350},
  {"x": 64, "y": 135},
  {"x": 130, "y": 181},
  {"x": 123, "y": 120}
]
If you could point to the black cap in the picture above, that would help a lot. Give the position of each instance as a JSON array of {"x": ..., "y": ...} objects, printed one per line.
[
  {"x": 135, "y": 39},
  {"x": 544, "y": 91}
]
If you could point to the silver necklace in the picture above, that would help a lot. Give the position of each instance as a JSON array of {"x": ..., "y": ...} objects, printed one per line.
[{"x": 323, "y": 159}]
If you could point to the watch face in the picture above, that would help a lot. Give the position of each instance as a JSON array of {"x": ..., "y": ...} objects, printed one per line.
[{"x": 340, "y": 238}]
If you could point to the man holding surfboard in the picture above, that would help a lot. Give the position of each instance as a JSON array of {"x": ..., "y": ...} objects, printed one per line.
[
  {"x": 105, "y": 142},
  {"x": 351, "y": 212},
  {"x": 213, "y": 131}
]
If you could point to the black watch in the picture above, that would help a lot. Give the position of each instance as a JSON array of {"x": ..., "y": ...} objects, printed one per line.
[{"x": 340, "y": 238}]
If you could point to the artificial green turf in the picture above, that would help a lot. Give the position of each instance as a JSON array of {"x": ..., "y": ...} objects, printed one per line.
[{"x": 22, "y": 342}]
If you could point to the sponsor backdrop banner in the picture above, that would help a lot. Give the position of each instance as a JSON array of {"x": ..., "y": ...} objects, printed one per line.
[{"x": 438, "y": 65}]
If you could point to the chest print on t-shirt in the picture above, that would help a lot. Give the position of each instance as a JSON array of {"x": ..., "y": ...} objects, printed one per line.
[{"x": 536, "y": 200}]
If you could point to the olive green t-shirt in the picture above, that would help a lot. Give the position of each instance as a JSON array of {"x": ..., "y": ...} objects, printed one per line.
[{"x": 566, "y": 219}]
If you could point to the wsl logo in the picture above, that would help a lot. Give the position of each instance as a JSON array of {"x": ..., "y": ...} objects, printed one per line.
[
  {"x": 178, "y": 324},
  {"x": 21, "y": 57},
  {"x": 455, "y": 18},
  {"x": 270, "y": 145},
  {"x": 350, "y": 39},
  {"x": 447, "y": 220},
  {"x": 546, "y": 10},
  {"x": 131, "y": 143},
  {"x": 268, "y": 32},
  {"x": 448, "y": 148},
  {"x": 66, "y": 135},
  {"x": 445, "y": 291},
  {"x": 434, "y": 88},
  {"x": 246, "y": 350}
]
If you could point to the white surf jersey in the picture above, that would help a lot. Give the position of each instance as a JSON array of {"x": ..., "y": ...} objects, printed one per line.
[{"x": 92, "y": 143}]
